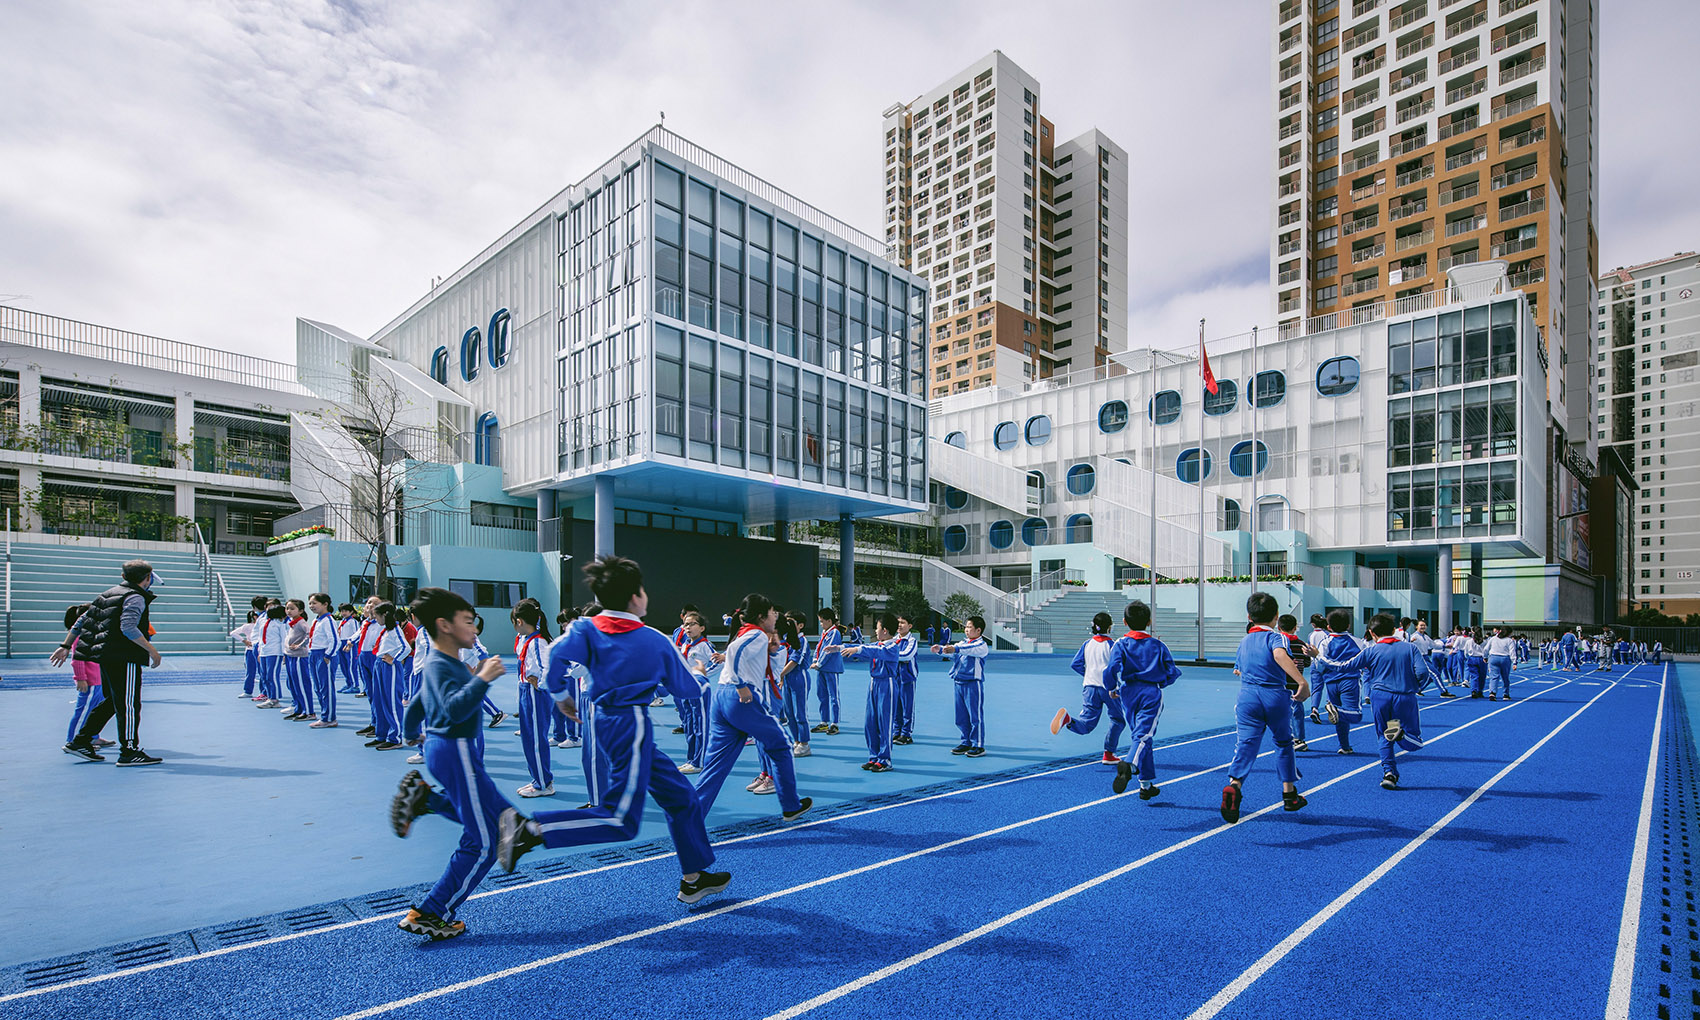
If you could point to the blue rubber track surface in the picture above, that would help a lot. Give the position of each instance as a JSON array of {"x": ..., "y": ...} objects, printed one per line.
[{"x": 1492, "y": 883}]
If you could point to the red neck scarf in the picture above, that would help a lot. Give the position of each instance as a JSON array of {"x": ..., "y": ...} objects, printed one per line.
[
  {"x": 1260, "y": 627},
  {"x": 614, "y": 624},
  {"x": 1386, "y": 640},
  {"x": 1100, "y": 637},
  {"x": 1137, "y": 635}
]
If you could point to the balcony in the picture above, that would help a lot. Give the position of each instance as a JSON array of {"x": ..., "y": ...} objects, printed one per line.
[
  {"x": 1359, "y": 226},
  {"x": 1465, "y": 226},
  {"x": 1475, "y": 88},
  {"x": 1365, "y": 130},
  {"x": 1290, "y": 276},
  {"x": 1369, "y": 191},
  {"x": 1458, "y": 60},
  {"x": 1415, "y": 110},
  {"x": 1289, "y": 12},
  {"x": 1521, "y": 209},
  {"x": 1513, "y": 177},
  {"x": 1287, "y": 248},
  {"x": 1291, "y": 68},
  {"x": 1460, "y": 193},
  {"x": 1513, "y": 247},
  {"x": 1287, "y": 305},
  {"x": 1400, "y": 212},
  {"x": 1289, "y": 40},
  {"x": 1515, "y": 107},
  {"x": 1365, "y": 254},
  {"x": 1463, "y": 25},
  {"x": 1416, "y": 240},
  {"x": 1286, "y": 161},
  {"x": 1363, "y": 67},
  {"x": 1522, "y": 69},
  {"x": 1361, "y": 101},
  {"x": 1409, "y": 17},
  {"x": 1358, "y": 163},
  {"x": 1290, "y": 130},
  {"x": 1507, "y": 6},
  {"x": 1526, "y": 279},
  {"x": 1290, "y": 96},
  {"x": 1288, "y": 219},
  {"x": 1466, "y": 158},
  {"x": 1414, "y": 46},
  {"x": 1528, "y": 137},
  {"x": 1446, "y": 262},
  {"x": 1363, "y": 7},
  {"x": 1405, "y": 145},
  {"x": 1414, "y": 271},
  {"x": 1352, "y": 42},
  {"x": 1359, "y": 287},
  {"x": 1510, "y": 39},
  {"x": 1411, "y": 80},
  {"x": 1290, "y": 188},
  {"x": 1458, "y": 127}
]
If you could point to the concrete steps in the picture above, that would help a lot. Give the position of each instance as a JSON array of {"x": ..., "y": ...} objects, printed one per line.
[{"x": 1066, "y": 622}]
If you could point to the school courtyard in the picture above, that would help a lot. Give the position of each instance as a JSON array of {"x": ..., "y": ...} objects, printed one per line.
[{"x": 1536, "y": 863}]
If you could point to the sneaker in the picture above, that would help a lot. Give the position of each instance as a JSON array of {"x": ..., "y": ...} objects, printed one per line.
[
  {"x": 832, "y": 731},
  {"x": 136, "y": 757},
  {"x": 802, "y": 809},
  {"x": 1292, "y": 800},
  {"x": 972, "y": 752},
  {"x": 241, "y": 694},
  {"x": 880, "y": 766},
  {"x": 514, "y": 839},
  {"x": 678, "y": 729},
  {"x": 1389, "y": 782},
  {"x": 374, "y": 742},
  {"x": 1344, "y": 750},
  {"x": 1447, "y": 694},
  {"x": 961, "y": 748},
  {"x": 531, "y": 790},
  {"x": 268, "y": 703},
  {"x": 1110, "y": 758},
  {"x": 707, "y": 884},
  {"x": 1493, "y": 697},
  {"x": 1230, "y": 803},
  {"x": 658, "y": 702},
  {"x": 103, "y": 742},
  {"x": 416, "y": 759},
  {"x": 1147, "y": 792},
  {"x": 868, "y": 766},
  {"x": 687, "y": 769},
  {"x": 420, "y": 922},
  {"x": 322, "y": 724},
  {"x": 1124, "y": 776},
  {"x": 1333, "y": 713},
  {"x": 765, "y": 788},
  {"x": 801, "y": 751},
  {"x": 84, "y": 750},
  {"x": 1394, "y": 731},
  {"x": 756, "y": 782},
  {"x": 1313, "y": 717},
  {"x": 496, "y": 720},
  {"x": 306, "y": 717},
  {"x": 387, "y": 745},
  {"x": 366, "y": 731},
  {"x": 1059, "y": 720},
  {"x": 905, "y": 739},
  {"x": 410, "y": 802},
  {"x": 818, "y": 728},
  {"x": 1475, "y": 694},
  {"x": 1299, "y": 745}
]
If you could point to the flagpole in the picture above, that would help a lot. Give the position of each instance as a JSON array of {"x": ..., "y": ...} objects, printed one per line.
[
  {"x": 1253, "y": 460},
  {"x": 1199, "y": 463},
  {"x": 1151, "y": 469}
]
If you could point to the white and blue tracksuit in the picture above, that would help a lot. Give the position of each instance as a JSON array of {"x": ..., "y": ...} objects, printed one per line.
[
  {"x": 447, "y": 708},
  {"x": 1475, "y": 664},
  {"x": 880, "y": 721},
  {"x": 734, "y": 720},
  {"x": 1141, "y": 666},
  {"x": 908, "y": 647},
  {"x": 366, "y": 662},
  {"x": 627, "y": 664},
  {"x": 1340, "y": 685},
  {"x": 322, "y": 645},
  {"x": 1265, "y": 704},
  {"x": 568, "y": 680},
  {"x": 535, "y": 707},
  {"x": 829, "y": 666},
  {"x": 250, "y": 655},
  {"x": 795, "y": 685},
  {"x": 693, "y": 712},
  {"x": 271, "y": 633},
  {"x": 968, "y": 674},
  {"x": 347, "y": 629},
  {"x": 392, "y": 643},
  {"x": 1095, "y": 700},
  {"x": 471, "y": 657},
  {"x": 1500, "y": 651},
  {"x": 1395, "y": 669}
]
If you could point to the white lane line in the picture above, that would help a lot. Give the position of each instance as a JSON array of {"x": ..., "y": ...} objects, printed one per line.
[
  {"x": 292, "y": 936},
  {"x": 728, "y": 908},
  {"x": 1629, "y": 930},
  {"x": 1234, "y": 988},
  {"x": 991, "y": 926}
]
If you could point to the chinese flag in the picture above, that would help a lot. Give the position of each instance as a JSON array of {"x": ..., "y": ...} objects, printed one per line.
[{"x": 1204, "y": 357}]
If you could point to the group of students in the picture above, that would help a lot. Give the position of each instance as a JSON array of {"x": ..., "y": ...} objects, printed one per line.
[{"x": 1574, "y": 650}]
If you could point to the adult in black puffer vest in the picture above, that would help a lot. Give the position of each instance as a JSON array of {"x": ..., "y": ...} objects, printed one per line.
[{"x": 114, "y": 633}]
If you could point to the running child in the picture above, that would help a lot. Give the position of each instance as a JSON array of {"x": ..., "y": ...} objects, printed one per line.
[
  {"x": 1396, "y": 668},
  {"x": 448, "y": 708},
  {"x": 829, "y": 667},
  {"x": 1269, "y": 683},
  {"x": 1339, "y": 685},
  {"x": 85, "y": 673},
  {"x": 1140, "y": 667},
  {"x": 627, "y": 664},
  {"x": 968, "y": 675},
  {"x": 1096, "y": 700},
  {"x": 1301, "y": 652},
  {"x": 698, "y": 654},
  {"x": 796, "y": 686}
]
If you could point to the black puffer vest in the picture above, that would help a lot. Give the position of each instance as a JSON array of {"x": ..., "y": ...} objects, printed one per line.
[{"x": 101, "y": 639}]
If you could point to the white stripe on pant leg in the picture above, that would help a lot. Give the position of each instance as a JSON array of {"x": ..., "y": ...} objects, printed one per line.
[
  {"x": 135, "y": 700},
  {"x": 640, "y": 727},
  {"x": 486, "y": 847}
]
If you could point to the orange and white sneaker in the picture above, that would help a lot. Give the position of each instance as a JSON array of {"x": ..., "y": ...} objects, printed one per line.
[
  {"x": 422, "y": 922},
  {"x": 1059, "y": 720}
]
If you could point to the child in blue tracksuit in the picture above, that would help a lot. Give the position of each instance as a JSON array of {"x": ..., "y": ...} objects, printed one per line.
[
  {"x": 908, "y": 648},
  {"x": 1300, "y": 650},
  {"x": 1269, "y": 684},
  {"x": 1140, "y": 667},
  {"x": 698, "y": 653},
  {"x": 743, "y": 710},
  {"x": 795, "y": 684},
  {"x": 1095, "y": 699},
  {"x": 881, "y": 716},
  {"x": 1395, "y": 668},
  {"x": 829, "y": 666},
  {"x": 347, "y": 627},
  {"x": 447, "y": 706},
  {"x": 251, "y": 653},
  {"x": 567, "y": 732},
  {"x": 968, "y": 674},
  {"x": 627, "y": 664},
  {"x": 1339, "y": 685},
  {"x": 322, "y": 644},
  {"x": 474, "y": 656},
  {"x": 270, "y": 632},
  {"x": 536, "y": 706}
]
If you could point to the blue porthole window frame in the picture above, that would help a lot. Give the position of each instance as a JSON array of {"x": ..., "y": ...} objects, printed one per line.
[
  {"x": 1035, "y": 531},
  {"x": 1077, "y": 530},
  {"x": 955, "y": 538},
  {"x": 1038, "y": 430},
  {"x": 440, "y": 365},
  {"x": 1270, "y": 388},
  {"x": 497, "y": 337},
  {"x": 1337, "y": 383},
  {"x": 1081, "y": 479},
  {"x": 487, "y": 440},
  {"x": 956, "y": 439},
  {"x": 1112, "y": 417},
  {"x": 1231, "y": 514},
  {"x": 1223, "y": 400},
  {"x": 1165, "y": 407},
  {"x": 1240, "y": 459},
  {"x": 470, "y": 342},
  {"x": 1001, "y": 535},
  {"x": 1004, "y": 436},
  {"x": 1187, "y": 464},
  {"x": 954, "y": 498}
]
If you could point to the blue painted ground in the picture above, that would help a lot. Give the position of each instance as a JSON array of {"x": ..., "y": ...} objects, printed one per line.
[{"x": 1031, "y": 891}]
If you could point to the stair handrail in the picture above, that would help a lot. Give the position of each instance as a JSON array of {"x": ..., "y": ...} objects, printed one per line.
[
  {"x": 8, "y": 582},
  {"x": 217, "y": 593}
]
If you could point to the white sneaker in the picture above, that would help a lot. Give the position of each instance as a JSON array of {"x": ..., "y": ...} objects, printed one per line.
[
  {"x": 765, "y": 787},
  {"x": 1395, "y": 730},
  {"x": 567, "y": 742},
  {"x": 658, "y": 702},
  {"x": 754, "y": 783},
  {"x": 416, "y": 759},
  {"x": 530, "y": 790},
  {"x": 801, "y": 751},
  {"x": 687, "y": 769}
]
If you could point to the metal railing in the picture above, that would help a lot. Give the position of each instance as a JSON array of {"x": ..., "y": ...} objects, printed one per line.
[
  {"x": 1458, "y": 60},
  {"x": 217, "y": 594},
  {"x": 1511, "y": 212},
  {"x": 1458, "y": 194},
  {"x": 1521, "y": 69},
  {"x": 1514, "y": 107},
  {"x": 8, "y": 582}
]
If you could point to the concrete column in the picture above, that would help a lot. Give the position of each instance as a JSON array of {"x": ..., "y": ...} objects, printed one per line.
[
  {"x": 782, "y": 531},
  {"x": 29, "y": 400},
  {"x": 1443, "y": 591},
  {"x": 1476, "y": 576},
  {"x": 184, "y": 427},
  {"x": 185, "y": 500},
  {"x": 847, "y": 569},
  {"x": 604, "y": 520},
  {"x": 547, "y": 529},
  {"x": 29, "y": 480}
]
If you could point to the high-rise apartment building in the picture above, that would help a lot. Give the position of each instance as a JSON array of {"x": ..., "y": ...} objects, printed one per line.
[
  {"x": 1023, "y": 237},
  {"x": 1417, "y": 136},
  {"x": 1647, "y": 351}
]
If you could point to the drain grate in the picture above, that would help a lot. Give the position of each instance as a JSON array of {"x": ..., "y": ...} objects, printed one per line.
[
  {"x": 1679, "y": 922},
  {"x": 53, "y": 973}
]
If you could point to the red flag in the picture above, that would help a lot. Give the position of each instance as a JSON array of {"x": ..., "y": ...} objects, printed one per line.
[{"x": 1204, "y": 356}]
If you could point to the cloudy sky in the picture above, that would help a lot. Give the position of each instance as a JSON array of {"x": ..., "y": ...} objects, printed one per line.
[{"x": 208, "y": 170}]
